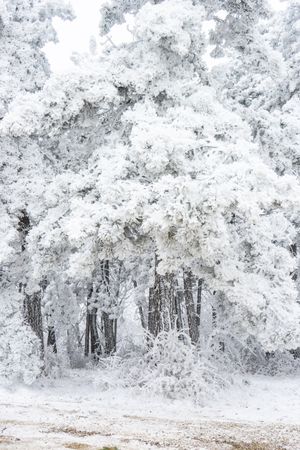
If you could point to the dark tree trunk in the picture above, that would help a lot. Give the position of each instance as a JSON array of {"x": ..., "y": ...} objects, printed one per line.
[
  {"x": 214, "y": 317},
  {"x": 140, "y": 309},
  {"x": 87, "y": 334},
  {"x": 142, "y": 317},
  {"x": 115, "y": 334},
  {"x": 95, "y": 341},
  {"x": 51, "y": 339},
  {"x": 293, "y": 251},
  {"x": 109, "y": 325},
  {"x": 92, "y": 341},
  {"x": 32, "y": 304},
  {"x": 199, "y": 303},
  {"x": 295, "y": 277},
  {"x": 178, "y": 307},
  {"x": 190, "y": 306},
  {"x": 162, "y": 308},
  {"x": 154, "y": 312},
  {"x": 33, "y": 316},
  {"x": 216, "y": 313},
  {"x": 167, "y": 293}
]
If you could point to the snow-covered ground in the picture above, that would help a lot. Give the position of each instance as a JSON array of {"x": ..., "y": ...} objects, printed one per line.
[{"x": 73, "y": 413}]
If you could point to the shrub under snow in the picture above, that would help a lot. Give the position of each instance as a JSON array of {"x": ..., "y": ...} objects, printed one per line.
[
  {"x": 19, "y": 347},
  {"x": 19, "y": 355},
  {"x": 171, "y": 367}
]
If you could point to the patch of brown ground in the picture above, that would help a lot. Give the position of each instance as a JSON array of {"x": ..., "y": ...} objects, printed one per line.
[
  {"x": 76, "y": 432},
  {"x": 77, "y": 446},
  {"x": 251, "y": 446},
  {"x": 7, "y": 440}
]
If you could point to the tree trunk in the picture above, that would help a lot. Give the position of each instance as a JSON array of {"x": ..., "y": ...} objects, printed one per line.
[
  {"x": 109, "y": 333},
  {"x": 32, "y": 304},
  {"x": 178, "y": 306},
  {"x": 33, "y": 316},
  {"x": 167, "y": 292},
  {"x": 214, "y": 317},
  {"x": 199, "y": 303},
  {"x": 92, "y": 341},
  {"x": 51, "y": 339},
  {"x": 140, "y": 309},
  {"x": 87, "y": 334},
  {"x": 109, "y": 325},
  {"x": 162, "y": 308},
  {"x": 293, "y": 250},
  {"x": 190, "y": 306},
  {"x": 154, "y": 312},
  {"x": 142, "y": 317},
  {"x": 115, "y": 334},
  {"x": 216, "y": 313},
  {"x": 295, "y": 277}
]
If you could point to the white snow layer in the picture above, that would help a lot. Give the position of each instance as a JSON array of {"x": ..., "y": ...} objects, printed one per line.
[{"x": 260, "y": 413}]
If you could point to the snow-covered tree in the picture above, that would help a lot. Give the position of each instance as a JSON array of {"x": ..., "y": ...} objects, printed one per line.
[
  {"x": 140, "y": 181},
  {"x": 260, "y": 83},
  {"x": 25, "y": 26},
  {"x": 176, "y": 174}
]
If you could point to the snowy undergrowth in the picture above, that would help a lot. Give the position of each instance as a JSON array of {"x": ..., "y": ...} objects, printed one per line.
[
  {"x": 19, "y": 347},
  {"x": 171, "y": 367},
  {"x": 175, "y": 369},
  {"x": 248, "y": 357},
  {"x": 278, "y": 364}
]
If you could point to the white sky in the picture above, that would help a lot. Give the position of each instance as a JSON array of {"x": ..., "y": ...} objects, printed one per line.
[{"x": 74, "y": 36}]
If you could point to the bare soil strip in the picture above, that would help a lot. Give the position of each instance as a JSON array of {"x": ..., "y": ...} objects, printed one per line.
[{"x": 71, "y": 430}]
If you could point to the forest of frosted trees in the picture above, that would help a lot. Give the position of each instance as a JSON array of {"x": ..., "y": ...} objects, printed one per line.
[{"x": 149, "y": 202}]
